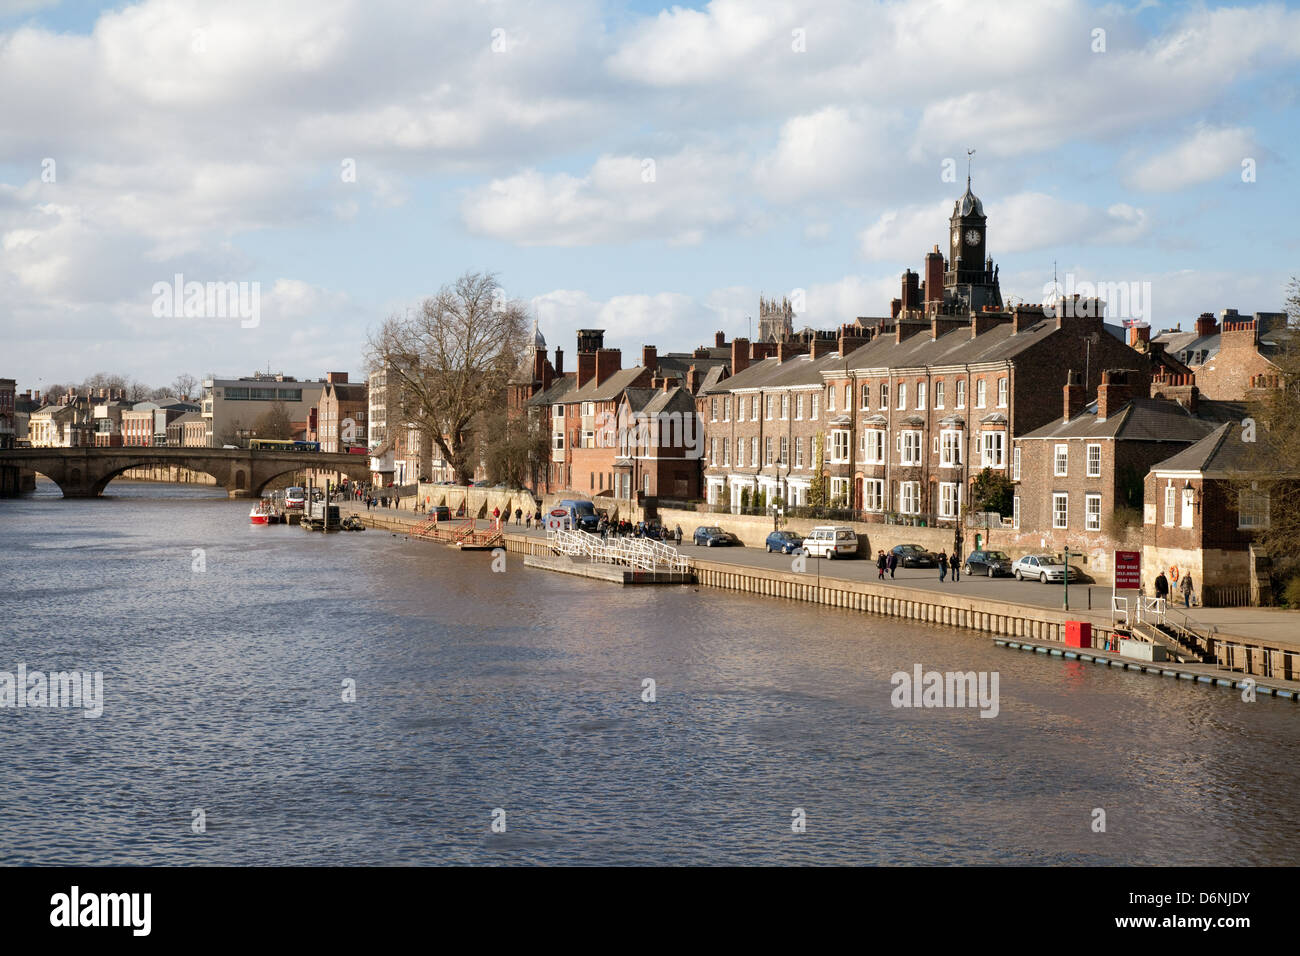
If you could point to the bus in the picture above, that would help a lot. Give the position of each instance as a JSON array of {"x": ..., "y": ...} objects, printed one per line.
[{"x": 276, "y": 444}]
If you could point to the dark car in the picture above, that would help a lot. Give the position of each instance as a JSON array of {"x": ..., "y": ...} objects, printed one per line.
[
  {"x": 714, "y": 537},
  {"x": 989, "y": 563},
  {"x": 914, "y": 556},
  {"x": 786, "y": 542},
  {"x": 441, "y": 512}
]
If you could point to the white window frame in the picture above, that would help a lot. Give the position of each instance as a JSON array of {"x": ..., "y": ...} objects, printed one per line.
[
  {"x": 768, "y": 402},
  {"x": 1171, "y": 504},
  {"x": 961, "y": 393},
  {"x": 740, "y": 453},
  {"x": 840, "y": 443},
  {"x": 815, "y": 400},
  {"x": 873, "y": 494},
  {"x": 1061, "y": 460},
  {"x": 993, "y": 452},
  {"x": 753, "y": 452},
  {"x": 784, "y": 451},
  {"x": 1003, "y": 390},
  {"x": 798, "y": 451},
  {"x": 1015, "y": 463},
  {"x": 1091, "y": 471},
  {"x": 949, "y": 499},
  {"x": 1091, "y": 515},
  {"x": 938, "y": 394},
  {"x": 884, "y": 396},
  {"x": 920, "y": 396},
  {"x": 1060, "y": 515},
  {"x": 713, "y": 409},
  {"x": 830, "y": 398},
  {"x": 950, "y": 448},
  {"x": 767, "y": 451},
  {"x": 873, "y": 446},
  {"x": 909, "y": 497},
  {"x": 1015, "y": 512},
  {"x": 798, "y": 407},
  {"x": 981, "y": 393},
  {"x": 909, "y": 447},
  {"x": 1187, "y": 514},
  {"x": 902, "y": 396}
]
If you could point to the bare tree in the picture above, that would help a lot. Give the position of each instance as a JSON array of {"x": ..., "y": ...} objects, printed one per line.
[
  {"x": 274, "y": 423},
  {"x": 138, "y": 392},
  {"x": 448, "y": 363},
  {"x": 185, "y": 387}
]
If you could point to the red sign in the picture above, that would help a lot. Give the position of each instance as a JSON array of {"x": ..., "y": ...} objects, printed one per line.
[{"x": 1128, "y": 570}]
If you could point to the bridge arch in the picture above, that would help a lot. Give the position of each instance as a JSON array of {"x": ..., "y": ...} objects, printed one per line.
[{"x": 102, "y": 481}]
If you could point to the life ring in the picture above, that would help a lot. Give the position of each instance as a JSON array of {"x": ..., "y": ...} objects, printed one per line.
[{"x": 1173, "y": 572}]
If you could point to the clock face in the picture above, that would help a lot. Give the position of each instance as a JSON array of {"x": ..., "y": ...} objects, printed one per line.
[
  {"x": 956, "y": 237},
  {"x": 972, "y": 237}
]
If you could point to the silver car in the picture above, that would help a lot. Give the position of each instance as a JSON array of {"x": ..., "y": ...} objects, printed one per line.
[{"x": 1045, "y": 568}]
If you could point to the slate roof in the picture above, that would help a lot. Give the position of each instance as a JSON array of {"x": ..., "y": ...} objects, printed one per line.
[
  {"x": 1188, "y": 347},
  {"x": 606, "y": 390},
  {"x": 559, "y": 388},
  {"x": 1221, "y": 452},
  {"x": 954, "y": 347},
  {"x": 769, "y": 373},
  {"x": 1143, "y": 419}
]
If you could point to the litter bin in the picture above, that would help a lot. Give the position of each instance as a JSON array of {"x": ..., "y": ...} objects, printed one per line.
[{"x": 1078, "y": 634}]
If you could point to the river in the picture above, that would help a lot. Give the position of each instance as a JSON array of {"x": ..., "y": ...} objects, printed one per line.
[{"x": 225, "y": 737}]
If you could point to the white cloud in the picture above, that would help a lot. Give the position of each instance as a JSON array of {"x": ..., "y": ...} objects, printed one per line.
[{"x": 1209, "y": 152}]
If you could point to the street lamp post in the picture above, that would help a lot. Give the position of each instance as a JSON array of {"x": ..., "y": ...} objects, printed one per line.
[{"x": 1066, "y": 577}]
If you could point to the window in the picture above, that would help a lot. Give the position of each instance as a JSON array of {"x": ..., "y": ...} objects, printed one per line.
[
  {"x": 884, "y": 396},
  {"x": 557, "y": 411},
  {"x": 1060, "y": 510},
  {"x": 767, "y": 450},
  {"x": 1094, "y": 461},
  {"x": 1170, "y": 497},
  {"x": 785, "y": 451},
  {"x": 1092, "y": 512},
  {"x": 866, "y": 397},
  {"x": 1061, "y": 461},
  {"x": 753, "y": 409},
  {"x": 557, "y": 441},
  {"x": 713, "y": 414},
  {"x": 1002, "y": 392},
  {"x": 1188, "y": 499},
  {"x": 726, "y": 452},
  {"x": 768, "y": 416},
  {"x": 993, "y": 449},
  {"x": 830, "y": 398},
  {"x": 873, "y": 446},
  {"x": 1015, "y": 512},
  {"x": 785, "y": 407},
  {"x": 726, "y": 408},
  {"x": 798, "y": 407},
  {"x": 815, "y": 398},
  {"x": 798, "y": 451},
  {"x": 839, "y": 491},
  {"x": 713, "y": 451},
  {"x": 588, "y": 438},
  {"x": 873, "y": 490},
  {"x": 1015, "y": 463},
  {"x": 740, "y": 453},
  {"x": 949, "y": 499},
  {"x": 920, "y": 395},
  {"x": 902, "y": 395},
  {"x": 839, "y": 445},
  {"x": 909, "y": 497},
  {"x": 753, "y": 451},
  {"x": 961, "y": 393},
  {"x": 1252, "y": 509},
  {"x": 979, "y": 393},
  {"x": 909, "y": 447},
  {"x": 848, "y": 398},
  {"x": 938, "y": 394},
  {"x": 950, "y": 448}
]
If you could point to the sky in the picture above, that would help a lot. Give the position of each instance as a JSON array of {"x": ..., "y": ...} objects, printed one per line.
[{"x": 648, "y": 170}]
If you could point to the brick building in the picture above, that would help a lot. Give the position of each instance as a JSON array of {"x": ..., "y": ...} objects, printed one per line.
[
  {"x": 342, "y": 414},
  {"x": 1201, "y": 517},
  {"x": 8, "y": 402},
  {"x": 1074, "y": 476},
  {"x": 1232, "y": 358}
]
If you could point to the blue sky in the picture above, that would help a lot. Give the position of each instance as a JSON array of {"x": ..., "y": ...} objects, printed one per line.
[{"x": 795, "y": 146}]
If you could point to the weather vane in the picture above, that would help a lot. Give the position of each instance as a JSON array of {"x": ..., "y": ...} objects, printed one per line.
[{"x": 969, "y": 154}]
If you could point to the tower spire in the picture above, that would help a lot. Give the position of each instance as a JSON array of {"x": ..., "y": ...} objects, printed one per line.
[{"x": 969, "y": 154}]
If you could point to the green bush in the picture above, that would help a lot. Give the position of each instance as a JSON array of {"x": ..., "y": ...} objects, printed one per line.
[{"x": 1291, "y": 593}]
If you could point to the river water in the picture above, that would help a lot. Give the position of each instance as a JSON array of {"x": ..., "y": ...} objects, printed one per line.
[{"x": 224, "y": 649}]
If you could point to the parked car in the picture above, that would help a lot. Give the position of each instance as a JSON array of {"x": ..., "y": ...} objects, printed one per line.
[
  {"x": 989, "y": 563},
  {"x": 915, "y": 556},
  {"x": 581, "y": 513},
  {"x": 441, "y": 512},
  {"x": 713, "y": 537},
  {"x": 831, "y": 541},
  {"x": 783, "y": 541},
  {"x": 1045, "y": 568}
]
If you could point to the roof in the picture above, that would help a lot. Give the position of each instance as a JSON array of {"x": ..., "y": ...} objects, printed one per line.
[
  {"x": 348, "y": 391},
  {"x": 1220, "y": 453},
  {"x": 676, "y": 399},
  {"x": 606, "y": 390},
  {"x": 769, "y": 373},
  {"x": 1143, "y": 419},
  {"x": 187, "y": 418},
  {"x": 954, "y": 347},
  {"x": 1188, "y": 347},
  {"x": 559, "y": 388}
]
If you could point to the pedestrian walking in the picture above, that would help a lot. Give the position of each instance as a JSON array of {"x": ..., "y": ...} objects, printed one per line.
[
  {"x": 678, "y": 536},
  {"x": 1162, "y": 586},
  {"x": 519, "y": 514},
  {"x": 882, "y": 563},
  {"x": 943, "y": 565},
  {"x": 893, "y": 564},
  {"x": 1185, "y": 585},
  {"x": 954, "y": 564}
]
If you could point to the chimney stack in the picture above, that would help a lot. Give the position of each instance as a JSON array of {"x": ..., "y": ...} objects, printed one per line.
[
  {"x": 719, "y": 340},
  {"x": 649, "y": 357},
  {"x": 821, "y": 346},
  {"x": 933, "y": 279},
  {"x": 851, "y": 338},
  {"x": 1116, "y": 391},
  {"x": 701, "y": 352},
  {"x": 1075, "y": 395},
  {"x": 608, "y": 361},
  {"x": 693, "y": 380},
  {"x": 739, "y": 355},
  {"x": 786, "y": 350},
  {"x": 559, "y": 362},
  {"x": 1139, "y": 336},
  {"x": 336, "y": 378},
  {"x": 1206, "y": 324},
  {"x": 911, "y": 293},
  {"x": 586, "y": 368},
  {"x": 895, "y": 307}
]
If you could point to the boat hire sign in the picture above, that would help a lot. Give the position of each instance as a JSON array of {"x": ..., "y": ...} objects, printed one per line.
[{"x": 1128, "y": 570}]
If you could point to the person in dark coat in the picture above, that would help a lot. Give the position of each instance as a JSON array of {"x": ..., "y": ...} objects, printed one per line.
[
  {"x": 943, "y": 565},
  {"x": 954, "y": 564},
  {"x": 893, "y": 564},
  {"x": 1162, "y": 586},
  {"x": 882, "y": 563}
]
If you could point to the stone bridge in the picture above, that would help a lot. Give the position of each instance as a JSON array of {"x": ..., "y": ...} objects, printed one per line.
[{"x": 84, "y": 472}]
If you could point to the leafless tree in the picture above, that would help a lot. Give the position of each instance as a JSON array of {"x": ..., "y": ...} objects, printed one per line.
[
  {"x": 448, "y": 362},
  {"x": 274, "y": 423},
  {"x": 185, "y": 387}
]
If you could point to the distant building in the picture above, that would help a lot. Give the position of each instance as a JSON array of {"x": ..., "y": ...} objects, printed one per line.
[
  {"x": 231, "y": 406},
  {"x": 1233, "y": 358},
  {"x": 189, "y": 430},
  {"x": 8, "y": 400},
  {"x": 343, "y": 414}
]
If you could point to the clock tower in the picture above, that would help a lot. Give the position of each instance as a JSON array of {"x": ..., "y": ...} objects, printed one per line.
[{"x": 970, "y": 281}]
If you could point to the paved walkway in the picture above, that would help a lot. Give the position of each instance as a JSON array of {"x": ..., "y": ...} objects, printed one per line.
[{"x": 1090, "y": 602}]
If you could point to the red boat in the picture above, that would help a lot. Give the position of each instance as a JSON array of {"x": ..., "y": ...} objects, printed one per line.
[{"x": 262, "y": 513}]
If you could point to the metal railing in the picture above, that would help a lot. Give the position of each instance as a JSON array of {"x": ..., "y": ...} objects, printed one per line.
[{"x": 643, "y": 554}]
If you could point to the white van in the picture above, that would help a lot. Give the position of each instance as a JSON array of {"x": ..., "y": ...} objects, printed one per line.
[{"x": 831, "y": 541}]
